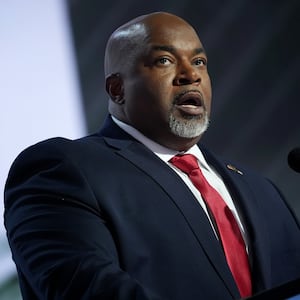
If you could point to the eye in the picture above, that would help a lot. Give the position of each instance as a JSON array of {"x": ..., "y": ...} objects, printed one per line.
[
  {"x": 200, "y": 62},
  {"x": 163, "y": 61}
]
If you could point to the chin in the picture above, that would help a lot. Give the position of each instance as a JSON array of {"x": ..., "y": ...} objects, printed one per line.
[{"x": 188, "y": 128}]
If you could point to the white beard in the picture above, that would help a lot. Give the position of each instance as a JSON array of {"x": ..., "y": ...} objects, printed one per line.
[{"x": 190, "y": 127}]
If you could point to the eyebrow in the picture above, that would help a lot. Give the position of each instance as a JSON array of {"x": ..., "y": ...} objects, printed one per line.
[{"x": 172, "y": 49}]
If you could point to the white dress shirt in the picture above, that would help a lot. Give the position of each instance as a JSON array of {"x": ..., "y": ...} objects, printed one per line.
[{"x": 214, "y": 179}]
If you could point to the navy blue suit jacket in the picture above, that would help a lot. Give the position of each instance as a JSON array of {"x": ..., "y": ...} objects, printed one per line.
[{"x": 102, "y": 217}]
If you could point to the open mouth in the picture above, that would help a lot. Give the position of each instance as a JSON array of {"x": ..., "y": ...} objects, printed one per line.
[{"x": 190, "y": 102}]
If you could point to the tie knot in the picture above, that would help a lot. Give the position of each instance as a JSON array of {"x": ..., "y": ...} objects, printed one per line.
[{"x": 186, "y": 163}]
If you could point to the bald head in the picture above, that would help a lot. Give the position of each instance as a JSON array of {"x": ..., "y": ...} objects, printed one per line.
[{"x": 125, "y": 42}]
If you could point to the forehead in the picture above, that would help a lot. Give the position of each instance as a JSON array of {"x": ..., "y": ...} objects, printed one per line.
[{"x": 173, "y": 33}]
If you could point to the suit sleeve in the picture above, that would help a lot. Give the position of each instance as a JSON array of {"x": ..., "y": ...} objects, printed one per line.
[{"x": 61, "y": 240}]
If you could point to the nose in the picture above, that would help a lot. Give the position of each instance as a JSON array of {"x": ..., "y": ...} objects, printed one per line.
[{"x": 187, "y": 74}]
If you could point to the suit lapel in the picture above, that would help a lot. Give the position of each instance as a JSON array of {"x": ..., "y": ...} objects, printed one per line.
[
  {"x": 179, "y": 193},
  {"x": 248, "y": 206}
]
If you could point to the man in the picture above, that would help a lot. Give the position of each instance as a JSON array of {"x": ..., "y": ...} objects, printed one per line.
[{"x": 112, "y": 216}]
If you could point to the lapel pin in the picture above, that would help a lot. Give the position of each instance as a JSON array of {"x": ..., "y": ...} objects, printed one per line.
[{"x": 233, "y": 168}]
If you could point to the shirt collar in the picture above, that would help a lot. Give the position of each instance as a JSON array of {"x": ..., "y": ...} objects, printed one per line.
[{"x": 162, "y": 152}]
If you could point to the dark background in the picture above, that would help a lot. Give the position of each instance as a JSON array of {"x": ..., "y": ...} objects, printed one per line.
[{"x": 253, "y": 51}]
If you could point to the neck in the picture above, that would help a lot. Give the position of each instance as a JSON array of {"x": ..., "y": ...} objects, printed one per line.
[{"x": 178, "y": 143}]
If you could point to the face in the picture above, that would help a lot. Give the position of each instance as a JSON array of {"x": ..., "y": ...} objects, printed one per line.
[{"x": 167, "y": 90}]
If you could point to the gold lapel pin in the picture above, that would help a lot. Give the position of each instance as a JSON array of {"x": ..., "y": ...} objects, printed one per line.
[{"x": 233, "y": 168}]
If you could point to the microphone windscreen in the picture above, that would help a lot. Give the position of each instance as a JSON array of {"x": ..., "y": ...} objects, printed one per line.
[{"x": 294, "y": 159}]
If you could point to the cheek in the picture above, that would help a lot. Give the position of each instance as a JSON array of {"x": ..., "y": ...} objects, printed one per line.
[
  {"x": 207, "y": 93},
  {"x": 206, "y": 83},
  {"x": 158, "y": 90},
  {"x": 164, "y": 89},
  {"x": 161, "y": 80}
]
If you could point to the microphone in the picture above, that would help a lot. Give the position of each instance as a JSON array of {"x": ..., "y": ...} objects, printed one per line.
[{"x": 294, "y": 159}]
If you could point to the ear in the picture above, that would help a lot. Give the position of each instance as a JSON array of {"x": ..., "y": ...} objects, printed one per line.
[{"x": 114, "y": 87}]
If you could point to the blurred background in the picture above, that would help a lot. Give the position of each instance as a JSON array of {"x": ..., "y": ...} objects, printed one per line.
[{"x": 52, "y": 83}]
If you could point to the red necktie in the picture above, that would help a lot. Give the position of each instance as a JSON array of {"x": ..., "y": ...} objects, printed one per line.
[{"x": 232, "y": 240}]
